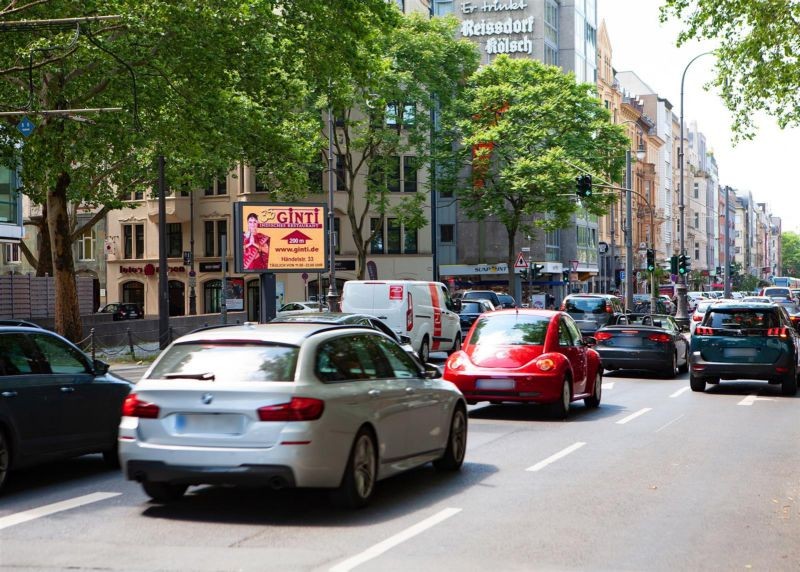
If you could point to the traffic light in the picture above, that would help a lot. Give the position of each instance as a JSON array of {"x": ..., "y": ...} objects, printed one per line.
[
  {"x": 523, "y": 274},
  {"x": 584, "y": 183},
  {"x": 684, "y": 264},
  {"x": 673, "y": 264},
  {"x": 565, "y": 276},
  {"x": 651, "y": 260},
  {"x": 536, "y": 269}
]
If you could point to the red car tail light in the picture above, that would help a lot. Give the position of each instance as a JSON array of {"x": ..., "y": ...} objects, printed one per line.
[
  {"x": 778, "y": 332},
  {"x": 563, "y": 306},
  {"x": 545, "y": 364},
  {"x": 456, "y": 362},
  {"x": 696, "y": 317},
  {"x": 135, "y": 407},
  {"x": 704, "y": 331},
  {"x": 660, "y": 338},
  {"x": 410, "y": 314},
  {"x": 609, "y": 309},
  {"x": 602, "y": 336},
  {"x": 298, "y": 409}
]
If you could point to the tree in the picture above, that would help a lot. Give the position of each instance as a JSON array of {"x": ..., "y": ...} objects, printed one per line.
[
  {"x": 527, "y": 130},
  {"x": 383, "y": 113},
  {"x": 205, "y": 84},
  {"x": 790, "y": 254},
  {"x": 756, "y": 67}
]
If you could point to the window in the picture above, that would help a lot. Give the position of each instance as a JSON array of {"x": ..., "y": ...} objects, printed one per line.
[
  {"x": 212, "y": 296},
  {"x": 214, "y": 231},
  {"x": 174, "y": 240},
  {"x": 17, "y": 356},
  {"x": 133, "y": 293},
  {"x": 350, "y": 358},
  {"x": 86, "y": 245},
  {"x": 442, "y": 7},
  {"x": 394, "y": 231},
  {"x": 217, "y": 187},
  {"x": 341, "y": 173},
  {"x": 409, "y": 174},
  {"x": 410, "y": 241},
  {"x": 401, "y": 364},
  {"x": 260, "y": 179},
  {"x": 697, "y": 190},
  {"x": 337, "y": 247},
  {"x": 8, "y": 196},
  {"x": 697, "y": 251},
  {"x": 397, "y": 241},
  {"x": 393, "y": 174},
  {"x": 697, "y": 220},
  {"x": 60, "y": 357},
  {"x": 11, "y": 253},
  {"x": 397, "y": 115},
  {"x": 376, "y": 246},
  {"x": 133, "y": 237},
  {"x": 447, "y": 233},
  {"x": 136, "y": 196}
]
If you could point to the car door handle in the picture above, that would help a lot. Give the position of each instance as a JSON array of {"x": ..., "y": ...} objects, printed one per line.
[
  {"x": 8, "y": 394},
  {"x": 410, "y": 390},
  {"x": 67, "y": 389},
  {"x": 374, "y": 393}
]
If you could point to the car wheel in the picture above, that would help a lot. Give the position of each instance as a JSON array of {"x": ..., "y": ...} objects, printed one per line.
[
  {"x": 683, "y": 368},
  {"x": 163, "y": 492},
  {"x": 597, "y": 392},
  {"x": 360, "y": 474},
  {"x": 456, "y": 443},
  {"x": 456, "y": 345},
  {"x": 561, "y": 407},
  {"x": 697, "y": 383},
  {"x": 425, "y": 350},
  {"x": 670, "y": 374},
  {"x": 5, "y": 458},
  {"x": 789, "y": 384}
]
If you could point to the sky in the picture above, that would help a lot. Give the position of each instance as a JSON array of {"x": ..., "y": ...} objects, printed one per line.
[{"x": 640, "y": 43}]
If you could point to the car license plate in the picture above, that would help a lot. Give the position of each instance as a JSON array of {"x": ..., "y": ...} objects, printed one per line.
[
  {"x": 209, "y": 424},
  {"x": 629, "y": 341},
  {"x": 495, "y": 384},
  {"x": 739, "y": 352}
]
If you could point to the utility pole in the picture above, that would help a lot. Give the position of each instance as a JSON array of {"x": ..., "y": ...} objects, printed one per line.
[{"x": 163, "y": 284}]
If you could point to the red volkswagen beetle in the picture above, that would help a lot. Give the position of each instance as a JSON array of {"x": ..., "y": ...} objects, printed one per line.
[{"x": 527, "y": 355}]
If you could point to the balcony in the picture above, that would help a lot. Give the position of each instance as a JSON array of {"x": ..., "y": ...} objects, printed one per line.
[{"x": 177, "y": 209}]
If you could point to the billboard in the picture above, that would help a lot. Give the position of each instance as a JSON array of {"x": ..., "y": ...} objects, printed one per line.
[{"x": 280, "y": 237}]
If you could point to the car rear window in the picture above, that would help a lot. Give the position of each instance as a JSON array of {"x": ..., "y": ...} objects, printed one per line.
[
  {"x": 591, "y": 305},
  {"x": 740, "y": 319},
  {"x": 478, "y": 294},
  {"x": 229, "y": 362},
  {"x": 782, "y": 292},
  {"x": 471, "y": 308},
  {"x": 512, "y": 329}
]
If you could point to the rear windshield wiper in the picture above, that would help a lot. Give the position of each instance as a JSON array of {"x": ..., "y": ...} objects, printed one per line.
[{"x": 205, "y": 376}]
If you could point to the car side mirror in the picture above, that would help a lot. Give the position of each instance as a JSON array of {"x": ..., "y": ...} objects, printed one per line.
[
  {"x": 684, "y": 328},
  {"x": 432, "y": 372},
  {"x": 457, "y": 305},
  {"x": 404, "y": 339},
  {"x": 100, "y": 367},
  {"x": 589, "y": 341}
]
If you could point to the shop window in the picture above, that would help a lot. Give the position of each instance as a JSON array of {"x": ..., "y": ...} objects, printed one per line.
[
  {"x": 212, "y": 296},
  {"x": 133, "y": 292}
]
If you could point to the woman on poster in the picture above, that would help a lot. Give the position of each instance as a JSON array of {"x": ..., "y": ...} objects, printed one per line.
[{"x": 255, "y": 248}]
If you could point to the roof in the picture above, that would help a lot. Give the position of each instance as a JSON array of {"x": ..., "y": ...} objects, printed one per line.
[{"x": 291, "y": 333}]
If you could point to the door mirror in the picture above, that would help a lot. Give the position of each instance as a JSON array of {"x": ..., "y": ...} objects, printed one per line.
[
  {"x": 100, "y": 367},
  {"x": 589, "y": 341},
  {"x": 432, "y": 372}
]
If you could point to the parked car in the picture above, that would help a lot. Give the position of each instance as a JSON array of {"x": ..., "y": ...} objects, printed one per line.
[
  {"x": 469, "y": 312},
  {"x": 699, "y": 311},
  {"x": 288, "y": 405},
  {"x": 123, "y": 311},
  {"x": 351, "y": 319},
  {"x": 593, "y": 311},
  {"x": 490, "y": 295},
  {"x": 776, "y": 292},
  {"x": 745, "y": 340},
  {"x": 56, "y": 402},
  {"x": 649, "y": 342},
  {"x": 526, "y": 355},
  {"x": 507, "y": 301},
  {"x": 301, "y": 307},
  {"x": 24, "y": 323}
]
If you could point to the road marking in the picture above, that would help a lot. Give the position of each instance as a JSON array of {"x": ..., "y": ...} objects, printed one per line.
[
  {"x": 681, "y": 391},
  {"x": 33, "y": 514},
  {"x": 668, "y": 424},
  {"x": 634, "y": 416},
  {"x": 608, "y": 384},
  {"x": 553, "y": 458},
  {"x": 752, "y": 398},
  {"x": 393, "y": 541}
]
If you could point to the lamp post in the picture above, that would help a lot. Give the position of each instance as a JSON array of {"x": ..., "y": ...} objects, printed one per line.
[
  {"x": 681, "y": 315},
  {"x": 333, "y": 295},
  {"x": 628, "y": 230}
]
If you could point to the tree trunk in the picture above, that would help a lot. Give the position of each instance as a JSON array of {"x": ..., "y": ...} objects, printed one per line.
[
  {"x": 44, "y": 266},
  {"x": 67, "y": 318}
]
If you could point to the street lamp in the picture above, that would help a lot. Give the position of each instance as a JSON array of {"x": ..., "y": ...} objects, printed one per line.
[
  {"x": 628, "y": 230},
  {"x": 681, "y": 315},
  {"x": 333, "y": 295}
]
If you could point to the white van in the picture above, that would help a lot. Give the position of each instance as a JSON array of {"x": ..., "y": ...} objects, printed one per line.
[{"x": 415, "y": 308}]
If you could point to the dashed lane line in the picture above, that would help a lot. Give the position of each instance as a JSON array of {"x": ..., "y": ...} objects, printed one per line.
[
  {"x": 47, "y": 510},
  {"x": 633, "y": 416},
  {"x": 752, "y": 398},
  {"x": 393, "y": 541},
  {"x": 681, "y": 391},
  {"x": 553, "y": 458}
]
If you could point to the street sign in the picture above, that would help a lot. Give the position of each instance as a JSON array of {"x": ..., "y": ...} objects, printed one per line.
[
  {"x": 574, "y": 264},
  {"x": 520, "y": 263},
  {"x": 304, "y": 276},
  {"x": 622, "y": 275},
  {"x": 25, "y": 126}
]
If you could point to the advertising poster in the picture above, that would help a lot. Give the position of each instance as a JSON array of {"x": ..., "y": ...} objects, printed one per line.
[
  {"x": 234, "y": 293},
  {"x": 280, "y": 237}
]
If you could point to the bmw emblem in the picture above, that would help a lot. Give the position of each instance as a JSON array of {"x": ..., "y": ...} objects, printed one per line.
[{"x": 207, "y": 398}]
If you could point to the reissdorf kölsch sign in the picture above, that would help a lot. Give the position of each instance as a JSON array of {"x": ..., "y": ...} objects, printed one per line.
[{"x": 499, "y": 27}]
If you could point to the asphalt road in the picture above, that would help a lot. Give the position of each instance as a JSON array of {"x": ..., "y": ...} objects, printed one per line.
[{"x": 658, "y": 478}]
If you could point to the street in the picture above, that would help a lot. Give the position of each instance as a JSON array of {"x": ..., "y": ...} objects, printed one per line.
[{"x": 658, "y": 478}]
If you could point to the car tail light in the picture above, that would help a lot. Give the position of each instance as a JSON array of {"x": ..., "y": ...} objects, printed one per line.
[
  {"x": 602, "y": 336},
  {"x": 778, "y": 332},
  {"x": 410, "y": 314},
  {"x": 697, "y": 317},
  {"x": 135, "y": 407},
  {"x": 609, "y": 309},
  {"x": 703, "y": 331},
  {"x": 563, "y": 306},
  {"x": 545, "y": 364},
  {"x": 660, "y": 338},
  {"x": 298, "y": 409},
  {"x": 456, "y": 362}
]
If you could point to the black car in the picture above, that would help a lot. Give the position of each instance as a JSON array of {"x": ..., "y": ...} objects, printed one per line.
[
  {"x": 490, "y": 295},
  {"x": 123, "y": 311},
  {"x": 643, "y": 341},
  {"x": 593, "y": 311},
  {"x": 470, "y": 310},
  {"x": 507, "y": 301},
  {"x": 55, "y": 402}
]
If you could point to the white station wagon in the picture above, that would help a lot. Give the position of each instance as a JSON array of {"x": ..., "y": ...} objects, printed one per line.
[{"x": 288, "y": 405}]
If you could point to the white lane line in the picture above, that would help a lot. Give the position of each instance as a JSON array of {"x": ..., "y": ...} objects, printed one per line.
[
  {"x": 752, "y": 398},
  {"x": 633, "y": 416},
  {"x": 553, "y": 458},
  {"x": 668, "y": 424},
  {"x": 681, "y": 391},
  {"x": 608, "y": 384},
  {"x": 393, "y": 541},
  {"x": 46, "y": 510}
]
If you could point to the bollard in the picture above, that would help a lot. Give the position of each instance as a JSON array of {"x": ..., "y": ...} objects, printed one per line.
[
  {"x": 91, "y": 341},
  {"x": 130, "y": 343}
]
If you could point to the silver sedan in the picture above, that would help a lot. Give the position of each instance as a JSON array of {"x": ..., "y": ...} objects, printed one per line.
[{"x": 288, "y": 405}]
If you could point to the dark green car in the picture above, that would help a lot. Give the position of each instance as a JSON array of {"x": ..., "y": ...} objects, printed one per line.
[{"x": 745, "y": 340}]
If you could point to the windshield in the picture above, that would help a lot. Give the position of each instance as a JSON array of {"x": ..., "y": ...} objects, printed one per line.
[
  {"x": 512, "y": 329},
  {"x": 743, "y": 319},
  {"x": 590, "y": 305},
  {"x": 471, "y": 308},
  {"x": 229, "y": 362}
]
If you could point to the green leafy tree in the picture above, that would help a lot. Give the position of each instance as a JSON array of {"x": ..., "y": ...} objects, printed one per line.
[
  {"x": 790, "y": 254},
  {"x": 383, "y": 113},
  {"x": 756, "y": 67},
  {"x": 527, "y": 130},
  {"x": 205, "y": 84}
]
